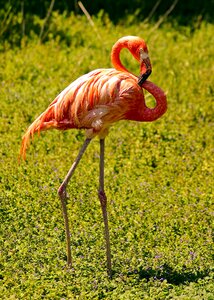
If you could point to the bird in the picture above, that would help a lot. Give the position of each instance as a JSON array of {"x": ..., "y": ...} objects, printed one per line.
[{"x": 94, "y": 102}]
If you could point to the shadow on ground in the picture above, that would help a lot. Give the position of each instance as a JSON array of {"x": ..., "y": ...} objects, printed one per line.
[{"x": 165, "y": 272}]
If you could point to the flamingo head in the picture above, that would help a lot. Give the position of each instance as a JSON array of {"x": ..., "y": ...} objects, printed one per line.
[{"x": 139, "y": 50}]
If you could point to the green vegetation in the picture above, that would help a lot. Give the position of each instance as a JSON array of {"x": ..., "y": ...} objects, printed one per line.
[{"x": 158, "y": 175}]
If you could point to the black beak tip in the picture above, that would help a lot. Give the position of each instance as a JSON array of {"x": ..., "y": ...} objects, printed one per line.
[{"x": 143, "y": 77}]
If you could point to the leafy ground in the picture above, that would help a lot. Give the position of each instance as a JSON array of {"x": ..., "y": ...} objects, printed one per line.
[{"x": 158, "y": 176}]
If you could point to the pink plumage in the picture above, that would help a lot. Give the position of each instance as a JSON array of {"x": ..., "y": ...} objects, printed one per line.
[{"x": 96, "y": 100}]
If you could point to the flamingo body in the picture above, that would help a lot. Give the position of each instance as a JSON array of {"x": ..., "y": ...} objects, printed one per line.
[{"x": 96, "y": 100}]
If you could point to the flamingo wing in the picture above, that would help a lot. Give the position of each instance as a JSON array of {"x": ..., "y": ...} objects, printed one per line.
[{"x": 94, "y": 101}]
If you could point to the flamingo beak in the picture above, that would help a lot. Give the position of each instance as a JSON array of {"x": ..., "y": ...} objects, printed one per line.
[
  {"x": 145, "y": 67},
  {"x": 143, "y": 77}
]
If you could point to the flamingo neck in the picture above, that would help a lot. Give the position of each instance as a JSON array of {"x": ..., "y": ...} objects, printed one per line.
[
  {"x": 144, "y": 113},
  {"x": 137, "y": 47},
  {"x": 152, "y": 114},
  {"x": 115, "y": 55}
]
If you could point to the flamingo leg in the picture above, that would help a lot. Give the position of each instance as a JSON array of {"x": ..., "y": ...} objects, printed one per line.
[
  {"x": 63, "y": 196},
  {"x": 103, "y": 202}
]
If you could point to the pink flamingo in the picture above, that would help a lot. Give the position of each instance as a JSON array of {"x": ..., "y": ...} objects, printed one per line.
[{"x": 94, "y": 102}]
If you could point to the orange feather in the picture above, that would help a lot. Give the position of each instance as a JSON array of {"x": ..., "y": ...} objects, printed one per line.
[{"x": 96, "y": 100}]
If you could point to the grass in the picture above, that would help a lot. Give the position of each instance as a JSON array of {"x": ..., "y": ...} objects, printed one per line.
[{"x": 158, "y": 176}]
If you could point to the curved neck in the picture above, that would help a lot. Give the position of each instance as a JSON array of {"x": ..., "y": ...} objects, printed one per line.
[
  {"x": 115, "y": 55},
  {"x": 152, "y": 114},
  {"x": 142, "y": 113},
  {"x": 137, "y": 47}
]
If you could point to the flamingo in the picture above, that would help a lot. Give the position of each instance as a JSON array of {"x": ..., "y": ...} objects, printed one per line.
[{"x": 94, "y": 102}]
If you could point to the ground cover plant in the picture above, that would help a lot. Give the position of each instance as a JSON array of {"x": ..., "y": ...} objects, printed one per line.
[{"x": 158, "y": 176}]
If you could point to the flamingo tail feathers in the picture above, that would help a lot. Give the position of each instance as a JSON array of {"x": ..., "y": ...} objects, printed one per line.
[{"x": 43, "y": 122}]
